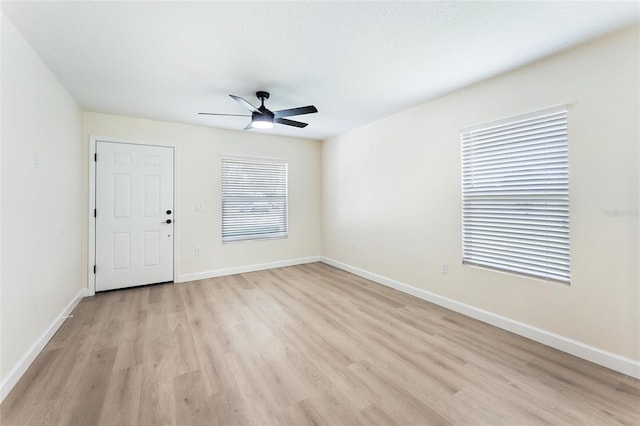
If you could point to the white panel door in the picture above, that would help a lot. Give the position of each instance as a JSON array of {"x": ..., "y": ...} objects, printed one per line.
[{"x": 134, "y": 215}]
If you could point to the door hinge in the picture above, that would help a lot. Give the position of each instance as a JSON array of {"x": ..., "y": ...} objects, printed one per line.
[
  {"x": 94, "y": 269},
  {"x": 95, "y": 212},
  {"x": 95, "y": 157}
]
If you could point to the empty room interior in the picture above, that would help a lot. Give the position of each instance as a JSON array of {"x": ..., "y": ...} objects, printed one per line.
[{"x": 320, "y": 213}]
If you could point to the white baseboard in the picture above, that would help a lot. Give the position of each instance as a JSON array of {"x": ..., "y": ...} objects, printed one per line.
[
  {"x": 610, "y": 360},
  {"x": 247, "y": 268},
  {"x": 19, "y": 369}
]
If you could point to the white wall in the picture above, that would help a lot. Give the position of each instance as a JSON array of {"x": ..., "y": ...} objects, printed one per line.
[
  {"x": 198, "y": 180},
  {"x": 392, "y": 197},
  {"x": 41, "y": 210}
]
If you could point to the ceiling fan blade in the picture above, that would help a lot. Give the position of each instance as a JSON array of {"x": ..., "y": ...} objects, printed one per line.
[
  {"x": 249, "y": 126},
  {"x": 288, "y": 122},
  {"x": 228, "y": 115},
  {"x": 295, "y": 111},
  {"x": 246, "y": 104}
]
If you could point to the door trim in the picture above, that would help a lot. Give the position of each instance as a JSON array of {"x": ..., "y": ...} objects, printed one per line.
[{"x": 91, "y": 247}]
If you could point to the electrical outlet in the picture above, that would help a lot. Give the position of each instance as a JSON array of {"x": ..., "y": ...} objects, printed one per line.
[
  {"x": 444, "y": 268},
  {"x": 197, "y": 251}
]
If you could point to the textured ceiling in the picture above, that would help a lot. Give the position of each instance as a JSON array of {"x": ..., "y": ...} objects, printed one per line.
[{"x": 355, "y": 61}]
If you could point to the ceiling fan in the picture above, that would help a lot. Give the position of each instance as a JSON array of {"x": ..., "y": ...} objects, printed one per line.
[{"x": 263, "y": 118}]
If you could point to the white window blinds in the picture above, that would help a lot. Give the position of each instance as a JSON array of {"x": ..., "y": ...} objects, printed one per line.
[
  {"x": 515, "y": 196},
  {"x": 254, "y": 199}
]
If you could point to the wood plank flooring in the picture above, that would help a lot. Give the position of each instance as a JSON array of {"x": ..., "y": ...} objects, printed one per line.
[{"x": 302, "y": 345}]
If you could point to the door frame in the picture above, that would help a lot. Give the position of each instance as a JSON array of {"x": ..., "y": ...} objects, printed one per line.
[{"x": 91, "y": 247}]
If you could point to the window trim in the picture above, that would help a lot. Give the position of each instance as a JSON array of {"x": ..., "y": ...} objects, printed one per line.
[
  {"x": 253, "y": 237},
  {"x": 506, "y": 241}
]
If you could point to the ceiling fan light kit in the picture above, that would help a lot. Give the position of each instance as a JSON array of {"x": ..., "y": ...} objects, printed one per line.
[
  {"x": 261, "y": 121},
  {"x": 263, "y": 118}
]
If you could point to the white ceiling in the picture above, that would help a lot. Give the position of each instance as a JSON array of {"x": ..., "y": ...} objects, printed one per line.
[{"x": 355, "y": 61}]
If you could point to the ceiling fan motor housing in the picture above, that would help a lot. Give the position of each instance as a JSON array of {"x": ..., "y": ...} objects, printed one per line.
[{"x": 263, "y": 115}]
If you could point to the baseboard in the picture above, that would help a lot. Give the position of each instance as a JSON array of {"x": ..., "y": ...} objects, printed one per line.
[
  {"x": 247, "y": 268},
  {"x": 19, "y": 369},
  {"x": 610, "y": 360}
]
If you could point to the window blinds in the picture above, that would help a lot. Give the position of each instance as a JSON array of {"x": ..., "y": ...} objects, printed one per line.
[
  {"x": 515, "y": 196},
  {"x": 254, "y": 199}
]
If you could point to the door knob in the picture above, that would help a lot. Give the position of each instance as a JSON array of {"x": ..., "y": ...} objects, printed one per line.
[
  {"x": 168, "y": 221},
  {"x": 168, "y": 211}
]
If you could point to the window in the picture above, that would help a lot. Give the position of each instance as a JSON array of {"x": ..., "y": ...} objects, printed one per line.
[
  {"x": 254, "y": 199},
  {"x": 515, "y": 195}
]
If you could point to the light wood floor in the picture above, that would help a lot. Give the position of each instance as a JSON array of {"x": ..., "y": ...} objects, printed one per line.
[{"x": 303, "y": 345}]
